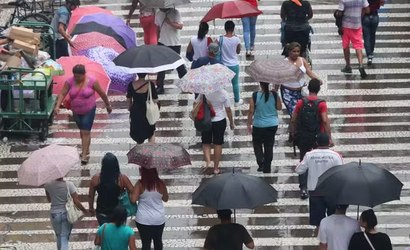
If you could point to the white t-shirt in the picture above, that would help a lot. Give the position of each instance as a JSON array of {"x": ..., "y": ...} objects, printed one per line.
[
  {"x": 169, "y": 36},
  {"x": 219, "y": 101},
  {"x": 337, "y": 230},
  {"x": 200, "y": 47},
  {"x": 229, "y": 57},
  {"x": 317, "y": 162}
]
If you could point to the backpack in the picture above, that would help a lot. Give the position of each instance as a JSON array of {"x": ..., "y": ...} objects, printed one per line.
[
  {"x": 308, "y": 123},
  {"x": 203, "y": 118}
]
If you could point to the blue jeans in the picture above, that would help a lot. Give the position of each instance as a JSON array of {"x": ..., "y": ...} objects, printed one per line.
[
  {"x": 249, "y": 31},
  {"x": 62, "y": 229},
  {"x": 370, "y": 23},
  {"x": 235, "y": 82}
]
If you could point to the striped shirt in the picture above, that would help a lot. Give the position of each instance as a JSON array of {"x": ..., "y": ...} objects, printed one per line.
[{"x": 352, "y": 17}]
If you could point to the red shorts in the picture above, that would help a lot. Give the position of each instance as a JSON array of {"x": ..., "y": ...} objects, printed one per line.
[{"x": 352, "y": 35}]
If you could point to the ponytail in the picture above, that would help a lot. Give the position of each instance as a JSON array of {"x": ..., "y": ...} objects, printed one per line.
[
  {"x": 265, "y": 90},
  {"x": 203, "y": 30}
]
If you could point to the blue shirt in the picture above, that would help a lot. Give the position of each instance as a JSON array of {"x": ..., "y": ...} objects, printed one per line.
[
  {"x": 265, "y": 114},
  {"x": 115, "y": 237},
  {"x": 62, "y": 15}
]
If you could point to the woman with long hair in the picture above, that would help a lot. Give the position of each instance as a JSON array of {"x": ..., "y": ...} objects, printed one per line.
[
  {"x": 370, "y": 239},
  {"x": 150, "y": 192},
  {"x": 263, "y": 123},
  {"x": 115, "y": 234},
  {"x": 109, "y": 184},
  {"x": 198, "y": 45}
]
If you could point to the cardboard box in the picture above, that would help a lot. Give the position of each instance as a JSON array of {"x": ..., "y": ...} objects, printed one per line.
[
  {"x": 13, "y": 62},
  {"x": 26, "y": 47},
  {"x": 25, "y": 35}
]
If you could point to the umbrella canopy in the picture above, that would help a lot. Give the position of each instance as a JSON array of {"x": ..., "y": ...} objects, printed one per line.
[
  {"x": 94, "y": 39},
  {"x": 119, "y": 78},
  {"x": 149, "y": 59},
  {"x": 160, "y": 156},
  {"x": 206, "y": 79},
  {"x": 274, "y": 70},
  {"x": 231, "y": 9},
  {"x": 122, "y": 33},
  {"x": 83, "y": 11},
  {"x": 234, "y": 191},
  {"x": 163, "y": 3},
  {"x": 363, "y": 184},
  {"x": 92, "y": 68},
  {"x": 47, "y": 164}
]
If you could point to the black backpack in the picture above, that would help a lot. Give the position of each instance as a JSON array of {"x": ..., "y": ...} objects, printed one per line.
[{"x": 308, "y": 123}]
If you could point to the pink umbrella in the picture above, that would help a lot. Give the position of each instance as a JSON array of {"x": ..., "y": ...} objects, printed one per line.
[
  {"x": 83, "y": 11},
  {"x": 92, "y": 68},
  {"x": 47, "y": 164},
  {"x": 94, "y": 39},
  {"x": 231, "y": 9}
]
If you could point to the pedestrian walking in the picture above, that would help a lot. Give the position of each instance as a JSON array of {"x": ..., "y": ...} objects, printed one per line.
[
  {"x": 227, "y": 235},
  {"x": 169, "y": 23},
  {"x": 81, "y": 89},
  {"x": 315, "y": 163},
  {"x": 308, "y": 120},
  {"x": 57, "y": 192},
  {"x": 115, "y": 234},
  {"x": 198, "y": 45},
  {"x": 222, "y": 106},
  {"x": 249, "y": 30},
  {"x": 137, "y": 95},
  {"x": 335, "y": 231},
  {"x": 209, "y": 58},
  {"x": 263, "y": 123},
  {"x": 370, "y": 239},
  {"x": 109, "y": 183},
  {"x": 292, "y": 92},
  {"x": 352, "y": 31},
  {"x": 147, "y": 21},
  {"x": 230, "y": 47},
  {"x": 150, "y": 192},
  {"x": 370, "y": 22},
  {"x": 59, "y": 24}
]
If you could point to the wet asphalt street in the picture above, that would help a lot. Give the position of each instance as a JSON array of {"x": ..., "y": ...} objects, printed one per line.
[{"x": 370, "y": 121}]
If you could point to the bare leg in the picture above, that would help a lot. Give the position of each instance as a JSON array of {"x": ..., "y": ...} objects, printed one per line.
[
  {"x": 346, "y": 53},
  {"x": 206, "y": 148},
  {"x": 85, "y": 143},
  {"x": 152, "y": 139},
  {"x": 359, "y": 54},
  {"x": 217, "y": 156}
]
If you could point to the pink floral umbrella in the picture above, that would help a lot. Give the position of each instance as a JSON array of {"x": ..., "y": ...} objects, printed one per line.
[
  {"x": 94, "y": 39},
  {"x": 159, "y": 155}
]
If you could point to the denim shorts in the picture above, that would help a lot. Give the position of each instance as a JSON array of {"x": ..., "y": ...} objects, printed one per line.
[{"x": 85, "y": 121}]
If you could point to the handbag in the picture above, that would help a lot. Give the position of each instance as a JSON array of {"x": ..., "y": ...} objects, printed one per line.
[
  {"x": 102, "y": 238},
  {"x": 152, "y": 113},
  {"x": 125, "y": 202},
  {"x": 368, "y": 240},
  {"x": 218, "y": 56},
  {"x": 73, "y": 213},
  {"x": 203, "y": 120}
]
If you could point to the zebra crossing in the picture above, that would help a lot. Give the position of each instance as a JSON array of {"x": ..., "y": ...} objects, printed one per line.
[{"x": 370, "y": 121}]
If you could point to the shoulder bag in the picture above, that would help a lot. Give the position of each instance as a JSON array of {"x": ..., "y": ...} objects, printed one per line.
[
  {"x": 368, "y": 240},
  {"x": 73, "y": 213},
  {"x": 125, "y": 202},
  {"x": 102, "y": 238},
  {"x": 152, "y": 113},
  {"x": 218, "y": 56}
]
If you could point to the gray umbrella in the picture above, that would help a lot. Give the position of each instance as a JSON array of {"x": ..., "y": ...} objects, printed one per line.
[
  {"x": 234, "y": 191},
  {"x": 357, "y": 183}
]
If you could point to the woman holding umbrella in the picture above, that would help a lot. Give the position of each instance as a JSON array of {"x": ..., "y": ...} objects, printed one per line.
[
  {"x": 150, "y": 192},
  {"x": 81, "y": 89}
]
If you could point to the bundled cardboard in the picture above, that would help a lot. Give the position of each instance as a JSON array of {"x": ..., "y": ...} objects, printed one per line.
[
  {"x": 26, "y": 47},
  {"x": 25, "y": 35}
]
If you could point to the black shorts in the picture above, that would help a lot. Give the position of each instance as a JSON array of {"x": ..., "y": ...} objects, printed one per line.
[
  {"x": 318, "y": 209},
  {"x": 216, "y": 134}
]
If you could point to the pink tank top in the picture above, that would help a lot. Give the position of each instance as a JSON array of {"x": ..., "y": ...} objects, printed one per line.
[{"x": 82, "y": 100}]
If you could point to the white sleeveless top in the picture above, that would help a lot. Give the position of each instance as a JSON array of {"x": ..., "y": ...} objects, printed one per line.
[
  {"x": 151, "y": 210},
  {"x": 200, "y": 47},
  {"x": 301, "y": 82}
]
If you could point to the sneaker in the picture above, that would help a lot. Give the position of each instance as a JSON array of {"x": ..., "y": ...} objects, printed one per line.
[
  {"x": 369, "y": 61},
  {"x": 347, "y": 70},
  {"x": 303, "y": 194},
  {"x": 237, "y": 104},
  {"x": 260, "y": 169},
  {"x": 362, "y": 72}
]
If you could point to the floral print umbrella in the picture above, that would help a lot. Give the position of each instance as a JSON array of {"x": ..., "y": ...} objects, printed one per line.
[
  {"x": 206, "y": 79},
  {"x": 159, "y": 155}
]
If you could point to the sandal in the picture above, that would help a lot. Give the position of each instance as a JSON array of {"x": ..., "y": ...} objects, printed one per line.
[
  {"x": 84, "y": 160},
  {"x": 205, "y": 167},
  {"x": 217, "y": 171}
]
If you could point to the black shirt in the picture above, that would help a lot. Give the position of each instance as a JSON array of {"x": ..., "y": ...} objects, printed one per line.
[
  {"x": 227, "y": 237},
  {"x": 380, "y": 241},
  {"x": 294, "y": 14}
]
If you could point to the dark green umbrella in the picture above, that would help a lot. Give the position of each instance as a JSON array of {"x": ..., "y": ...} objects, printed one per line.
[{"x": 362, "y": 184}]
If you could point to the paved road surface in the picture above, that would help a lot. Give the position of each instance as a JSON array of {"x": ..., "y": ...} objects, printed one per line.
[{"x": 370, "y": 121}]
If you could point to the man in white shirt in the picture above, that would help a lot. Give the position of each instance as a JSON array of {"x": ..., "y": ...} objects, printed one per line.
[
  {"x": 169, "y": 23},
  {"x": 316, "y": 162},
  {"x": 336, "y": 230}
]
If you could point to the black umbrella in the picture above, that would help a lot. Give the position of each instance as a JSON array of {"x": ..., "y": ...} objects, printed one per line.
[
  {"x": 148, "y": 59},
  {"x": 82, "y": 28},
  {"x": 362, "y": 184},
  {"x": 234, "y": 191}
]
